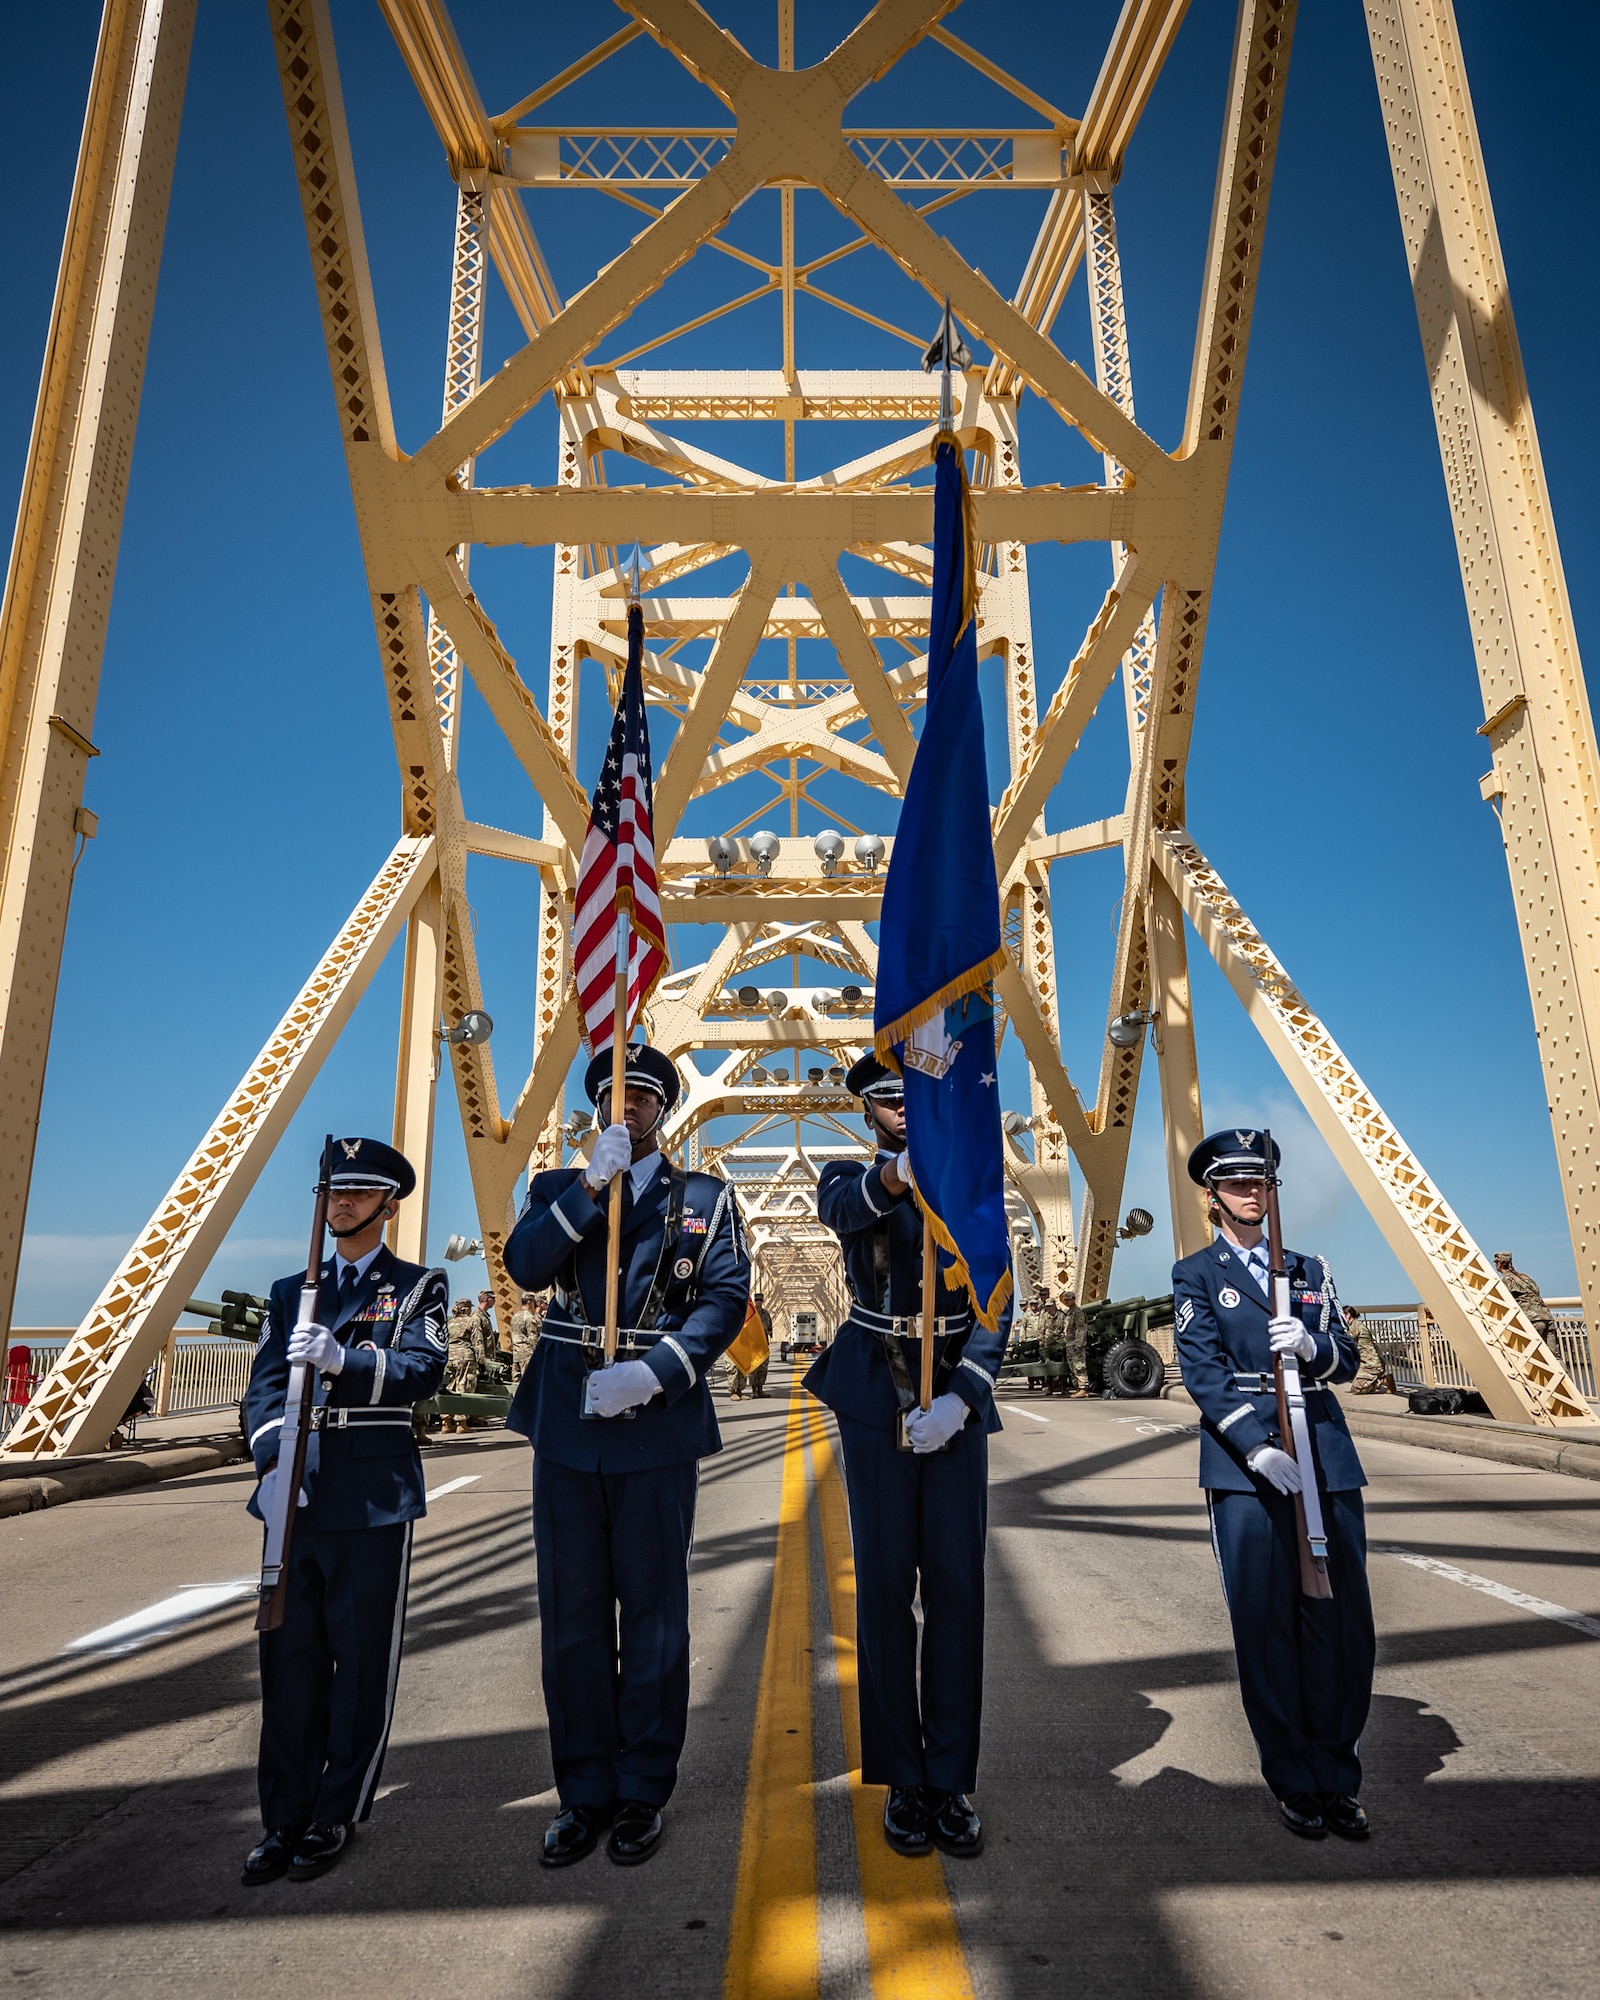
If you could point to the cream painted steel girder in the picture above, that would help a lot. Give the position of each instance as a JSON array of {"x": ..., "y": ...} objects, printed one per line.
[
  {"x": 1160, "y": 513},
  {"x": 1520, "y": 1379},
  {"x": 1257, "y": 81},
  {"x": 64, "y": 556},
  {"x": 1540, "y": 730},
  {"x": 80, "y": 1401}
]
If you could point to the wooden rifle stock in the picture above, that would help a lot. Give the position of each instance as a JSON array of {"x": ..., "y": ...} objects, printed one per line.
[
  {"x": 274, "y": 1586},
  {"x": 1309, "y": 1537}
]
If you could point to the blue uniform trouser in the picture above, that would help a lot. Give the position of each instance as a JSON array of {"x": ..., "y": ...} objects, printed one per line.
[
  {"x": 918, "y": 1521},
  {"x": 1305, "y": 1664},
  {"x": 613, "y": 1553},
  {"x": 328, "y": 1675}
]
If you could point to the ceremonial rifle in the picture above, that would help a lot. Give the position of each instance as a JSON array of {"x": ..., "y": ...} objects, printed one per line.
[
  {"x": 296, "y": 1432},
  {"x": 1310, "y": 1535}
]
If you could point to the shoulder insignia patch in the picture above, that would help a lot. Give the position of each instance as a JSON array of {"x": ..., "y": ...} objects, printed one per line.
[
  {"x": 1228, "y": 1296},
  {"x": 1185, "y": 1314}
]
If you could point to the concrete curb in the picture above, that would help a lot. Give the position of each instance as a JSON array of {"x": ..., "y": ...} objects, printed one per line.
[
  {"x": 57, "y": 1482},
  {"x": 1480, "y": 1437}
]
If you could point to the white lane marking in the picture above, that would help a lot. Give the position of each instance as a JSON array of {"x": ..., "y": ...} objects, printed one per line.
[
  {"x": 452, "y": 1486},
  {"x": 141, "y": 1626},
  {"x": 1558, "y": 1614},
  {"x": 549, "y": 1798},
  {"x": 1148, "y": 1429},
  {"x": 1017, "y": 1410}
]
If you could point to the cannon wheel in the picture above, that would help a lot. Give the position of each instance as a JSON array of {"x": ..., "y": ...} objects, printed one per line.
[{"x": 1133, "y": 1369}]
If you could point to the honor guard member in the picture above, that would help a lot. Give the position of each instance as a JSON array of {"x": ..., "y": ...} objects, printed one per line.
[
  {"x": 616, "y": 1452},
  {"x": 918, "y": 1486},
  {"x": 328, "y": 1672},
  {"x": 1305, "y": 1664}
]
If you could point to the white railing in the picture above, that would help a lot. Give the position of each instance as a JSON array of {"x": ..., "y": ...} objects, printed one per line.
[
  {"x": 1428, "y": 1363},
  {"x": 193, "y": 1374}
]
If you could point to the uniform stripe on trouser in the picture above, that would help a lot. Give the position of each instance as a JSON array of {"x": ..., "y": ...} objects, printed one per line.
[{"x": 397, "y": 1638}]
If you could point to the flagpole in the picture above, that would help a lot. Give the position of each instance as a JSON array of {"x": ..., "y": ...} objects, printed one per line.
[
  {"x": 619, "y": 1091},
  {"x": 930, "y": 1286}
]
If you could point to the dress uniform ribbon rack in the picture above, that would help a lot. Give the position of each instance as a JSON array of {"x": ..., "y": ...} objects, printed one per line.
[
  {"x": 296, "y": 1433},
  {"x": 1292, "y": 1426}
]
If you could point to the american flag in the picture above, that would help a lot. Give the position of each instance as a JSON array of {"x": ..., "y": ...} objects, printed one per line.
[{"x": 618, "y": 870}]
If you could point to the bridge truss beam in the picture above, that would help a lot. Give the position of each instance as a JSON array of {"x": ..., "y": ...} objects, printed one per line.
[{"x": 807, "y": 674}]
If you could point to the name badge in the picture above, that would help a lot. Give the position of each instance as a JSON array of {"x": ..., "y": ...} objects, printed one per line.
[{"x": 1228, "y": 1296}]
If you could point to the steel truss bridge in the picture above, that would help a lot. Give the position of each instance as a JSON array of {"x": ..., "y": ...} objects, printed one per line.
[{"x": 812, "y": 662}]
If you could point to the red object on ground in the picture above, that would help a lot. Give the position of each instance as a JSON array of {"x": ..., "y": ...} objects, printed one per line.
[{"x": 19, "y": 1368}]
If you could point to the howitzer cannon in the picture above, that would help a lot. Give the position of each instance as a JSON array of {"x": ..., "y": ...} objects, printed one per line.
[
  {"x": 239, "y": 1316},
  {"x": 1120, "y": 1359}
]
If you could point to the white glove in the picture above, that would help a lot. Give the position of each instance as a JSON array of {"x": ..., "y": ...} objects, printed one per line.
[
  {"x": 269, "y": 1481},
  {"x": 315, "y": 1345},
  {"x": 1289, "y": 1336},
  {"x": 904, "y": 1165},
  {"x": 622, "y": 1386},
  {"x": 612, "y": 1152},
  {"x": 1276, "y": 1467},
  {"x": 932, "y": 1429}
]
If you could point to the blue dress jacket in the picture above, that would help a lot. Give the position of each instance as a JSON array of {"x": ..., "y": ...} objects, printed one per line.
[
  {"x": 1225, "y": 1353},
  {"x": 363, "y": 1469},
  {"x": 562, "y": 1239},
  {"x": 880, "y": 1235}
]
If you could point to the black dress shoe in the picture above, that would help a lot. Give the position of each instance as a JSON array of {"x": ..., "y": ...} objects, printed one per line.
[
  {"x": 635, "y": 1833},
  {"x": 574, "y": 1833},
  {"x": 1301, "y": 1813},
  {"x": 271, "y": 1855},
  {"x": 905, "y": 1820},
  {"x": 956, "y": 1826},
  {"x": 1343, "y": 1816},
  {"x": 317, "y": 1850}
]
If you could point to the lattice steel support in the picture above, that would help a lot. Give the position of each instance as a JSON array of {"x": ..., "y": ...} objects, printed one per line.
[
  {"x": 1518, "y": 1376},
  {"x": 417, "y": 1069},
  {"x": 1546, "y": 774},
  {"x": 69, "y": 525},
  {"x": 463, "y": 370},
  {"x": 81, "y": 1400}
]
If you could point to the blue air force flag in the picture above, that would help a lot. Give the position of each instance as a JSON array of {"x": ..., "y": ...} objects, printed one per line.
[{"x": 939, "y": 940}]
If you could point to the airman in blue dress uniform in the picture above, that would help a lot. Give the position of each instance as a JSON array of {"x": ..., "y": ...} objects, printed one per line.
[
  {"x": 614, "y": 1491},
  {"x": 918, "y": 1486},
  {"x": 328, "y": 1672},
  {"x": 1305, "y": 1665}
]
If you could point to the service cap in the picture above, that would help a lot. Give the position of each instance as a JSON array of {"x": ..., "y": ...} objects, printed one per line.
[
  {"x": 1233, "y": 1156},
  {"x": 872, "y": 1078},
  {"x": 369, "y": 1163},
  {"x": 647, "y": 1069}
]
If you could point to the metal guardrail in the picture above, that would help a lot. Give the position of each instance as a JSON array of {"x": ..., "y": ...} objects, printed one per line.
[
  {"x": 1419, "y": 1356},
  {"x": 193, "y": 1374},
  {"x": 1416, "y": 1364}
]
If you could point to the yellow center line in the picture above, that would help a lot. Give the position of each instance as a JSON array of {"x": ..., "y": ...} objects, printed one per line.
[
  {"x": 913, "y": 1944},
  {"x": 772, "y": 1941}
]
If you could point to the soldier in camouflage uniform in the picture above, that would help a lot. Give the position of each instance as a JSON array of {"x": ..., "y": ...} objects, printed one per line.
[
  {"x": 1374, "y": 1376},
  {"x": 1053, "y": 1344},
  {"x": 1527, "y": 1295},
  {"x": 483, "y": 1332},
  {"x": 1075, "y": 1340},
  {"x": 525, "y": 1325},
  {"x": 461, "y": 1366}
]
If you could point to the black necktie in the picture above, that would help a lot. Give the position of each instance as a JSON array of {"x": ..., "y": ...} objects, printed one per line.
[{"x": 348, "y": 1280}]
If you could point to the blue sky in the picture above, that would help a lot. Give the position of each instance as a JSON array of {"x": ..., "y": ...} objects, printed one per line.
[{"x": 247, "y": 787}]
